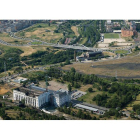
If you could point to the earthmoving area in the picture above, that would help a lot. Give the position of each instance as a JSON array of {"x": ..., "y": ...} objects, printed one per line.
[{"x": 5, "y": 88}]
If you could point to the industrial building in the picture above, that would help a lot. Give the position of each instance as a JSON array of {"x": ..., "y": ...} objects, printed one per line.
[
  {"x": 86, "y": 107},
  {"x": 61, "y": 97},
  {"x": 88, "y": 55},
  {"x": 37, "y": 97},
  {"x": 33, "y": 95},
  {"x": 20, "y": 80}
]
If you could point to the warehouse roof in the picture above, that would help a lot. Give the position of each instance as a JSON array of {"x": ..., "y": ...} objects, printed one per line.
[
  {"x": 117, "y": 31},
  {"x": 86, "y": 107},
  {"x": 37, "y": 88}
]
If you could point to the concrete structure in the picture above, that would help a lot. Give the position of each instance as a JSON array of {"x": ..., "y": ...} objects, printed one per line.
[
  {"x": 128, "y": 32},
  {"x": 86, "y": 107},
  {"x": 108, "y": 21},
  {"x": 20, "y": 79},
  {"x": 61, "y": 97},
  {"x": 87, "y": 55},
  {"x": 37, "y": 97},
  {"x": 117, "y": 31},
  {"x": 125, "y": 32},
  {"x": 33, "y": 95},
  {"x": 79, "y": 58}
]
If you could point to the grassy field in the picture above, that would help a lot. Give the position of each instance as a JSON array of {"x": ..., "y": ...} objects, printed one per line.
[
  {"x": 83, "y": 40},
  {"x": 27, "y": 50},
  {"x": 111, "y": 35},
  {"x": 121, "y": 51},
  {"x": 125, "y": 67},
  {"x": 36, "y": 43},
  {"x": 5, "y": 37},
  {"x": 43, "y": 32}
]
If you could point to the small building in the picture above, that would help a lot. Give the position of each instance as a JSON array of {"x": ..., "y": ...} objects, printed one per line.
[
  {"x": 92, "y": 54},
  {"x": 5, "y": 96},
  {"x": 79, "y": 58},
  {"x": 108, "y": 21},
  {"x": 117, "y": 31},
  {"x": 20, "y": 80},
  {"x": 86, "y": 107}
]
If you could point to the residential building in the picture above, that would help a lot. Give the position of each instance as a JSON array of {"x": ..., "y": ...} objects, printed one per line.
[{"x": 131, "y": 31}]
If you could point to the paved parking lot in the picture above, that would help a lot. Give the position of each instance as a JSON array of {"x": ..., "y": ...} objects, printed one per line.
[{"x": 77, "y": 94}]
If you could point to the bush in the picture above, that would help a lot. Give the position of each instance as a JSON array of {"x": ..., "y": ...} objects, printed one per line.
[{"x": 90, "y": 90}]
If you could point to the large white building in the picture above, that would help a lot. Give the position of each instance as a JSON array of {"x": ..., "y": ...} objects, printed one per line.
[
  {"x": 33, "y": 95},
  {"x": 37, "y": 97}
]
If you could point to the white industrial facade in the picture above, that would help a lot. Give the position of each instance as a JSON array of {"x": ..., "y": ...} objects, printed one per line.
[
  {"x": 61, "y": 97},
  {"x": 35, "y": 96}
]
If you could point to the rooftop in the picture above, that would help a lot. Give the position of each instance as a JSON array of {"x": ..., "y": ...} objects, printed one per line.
[
  {"x": 29, "y": 91},
  {"x": 61, "y": 93},
  {"x": 86, "y": 107}
]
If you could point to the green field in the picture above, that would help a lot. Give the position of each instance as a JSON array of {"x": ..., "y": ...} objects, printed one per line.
[
  {"x": 121, "y": 51},
  {"x": 111, "y": 35},
  {"x": 36, "y": 43}
]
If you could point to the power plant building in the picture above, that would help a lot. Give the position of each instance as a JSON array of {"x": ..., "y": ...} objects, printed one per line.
[{"x": 37, "y": 97}]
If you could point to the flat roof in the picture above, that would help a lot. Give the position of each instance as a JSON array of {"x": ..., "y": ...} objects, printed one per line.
[
  {"x": 38, "y": 88},
  {"x": 117, "y": 31},
  {"x": 29, "y": 92},
  {"x": 86, "y": 107}
]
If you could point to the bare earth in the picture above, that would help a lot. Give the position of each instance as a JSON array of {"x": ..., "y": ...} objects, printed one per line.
[
  {"x": 74, "y": 28},
  {"x": 53, "y": 85}
]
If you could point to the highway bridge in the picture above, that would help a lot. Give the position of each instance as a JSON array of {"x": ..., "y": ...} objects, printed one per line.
[{"x": 76, "y": 47}]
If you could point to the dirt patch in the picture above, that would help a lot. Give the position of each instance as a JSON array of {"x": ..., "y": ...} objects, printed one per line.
[
  {"x": 125, "y": 67},
  {"x": 4, "y": 89},
  {"x": 75, "y": 29},
  {"x": 53, "y": 85}
]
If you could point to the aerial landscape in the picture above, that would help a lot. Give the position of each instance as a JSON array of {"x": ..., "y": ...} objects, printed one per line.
[{"x": 70, "y": 69}]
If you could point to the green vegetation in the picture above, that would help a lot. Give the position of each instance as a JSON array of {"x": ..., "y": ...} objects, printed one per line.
[
  {"x": 121, "y": 51},
  {"x": 136, "y": 48},
  {"x": 46, "y": 57},
  {"x": 36, "y": 43},
  {"x": 25, "y": 113},
  {"x": 11, "y": 57},
  {"x": 138, "y": 27},
  {"x": 111, "y": 35},
  {"x": 113, "y": 93},
  {"x": 91, "y": 33},
  {"x": 80, "y": 114}
]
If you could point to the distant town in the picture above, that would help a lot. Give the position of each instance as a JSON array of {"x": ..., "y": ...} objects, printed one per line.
[{"x": 69, "y": 69}]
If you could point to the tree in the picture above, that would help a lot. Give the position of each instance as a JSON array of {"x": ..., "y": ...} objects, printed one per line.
[
  {"x": 90, "y": 89},
  {"x": 69, "y": 88},
  {"x": 73, "y": 70}
]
